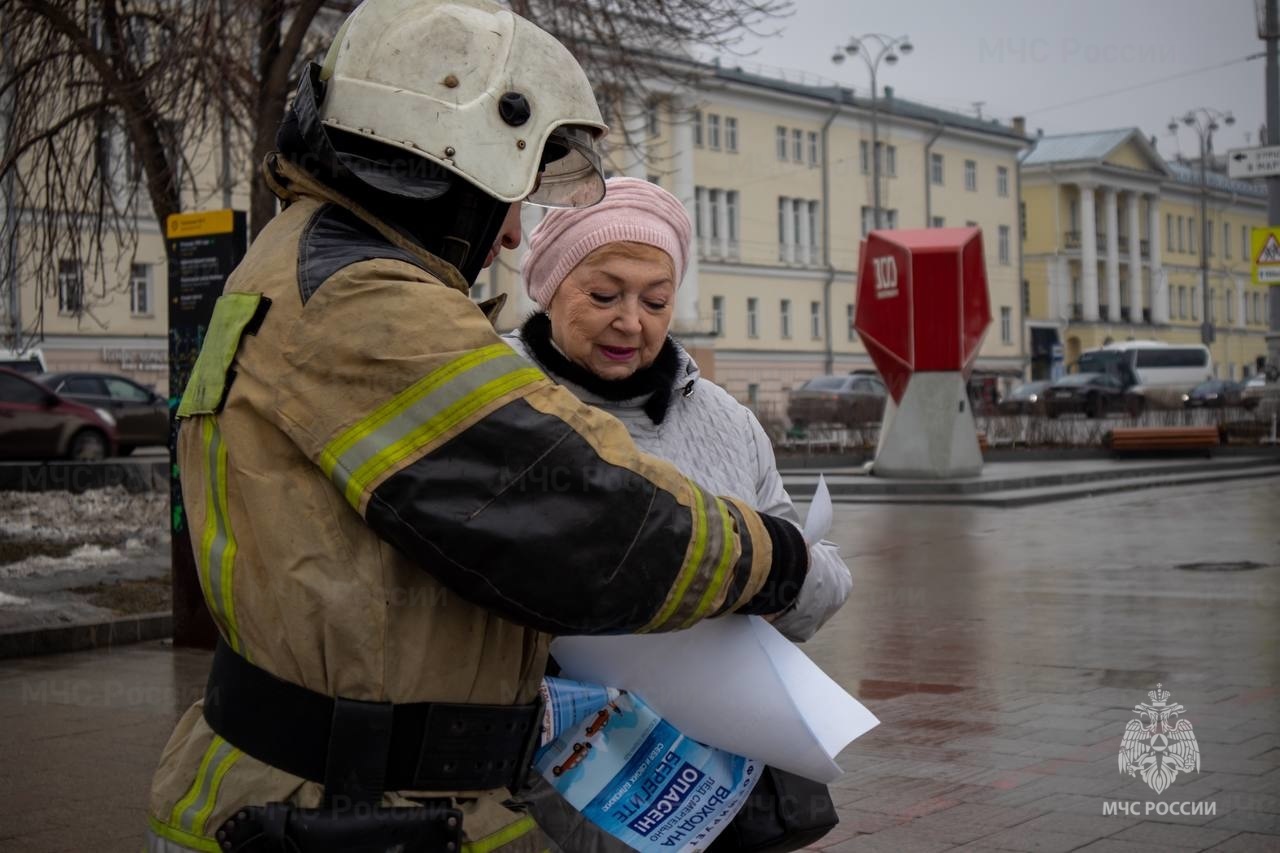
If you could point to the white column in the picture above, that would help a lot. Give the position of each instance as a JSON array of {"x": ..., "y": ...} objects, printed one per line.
[
  {"x": 1088, "y": 254},
  {"x": 686, "y": 319},
  {"x": 1060, "y": 301},
  {"x": 1113, "y": 254},
  {"x": 1159, "y": 284},
  {"x": 1135, "y": 259},
  {"x": 636, "y": 120},
  {"x": 722, "y": 225}
]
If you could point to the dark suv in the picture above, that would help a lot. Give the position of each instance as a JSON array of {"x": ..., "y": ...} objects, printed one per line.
[
  {"x": 142, "y": 415},
  {"x": 36, "y": 423}
]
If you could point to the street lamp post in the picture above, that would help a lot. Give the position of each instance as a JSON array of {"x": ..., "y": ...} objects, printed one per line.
[
  {"x": 1204, "y": 121},
  {"x": 872, "y": 49}
]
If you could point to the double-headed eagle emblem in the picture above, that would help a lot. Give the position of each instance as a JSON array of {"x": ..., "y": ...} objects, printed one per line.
[{"x": 1157, "y": 745}]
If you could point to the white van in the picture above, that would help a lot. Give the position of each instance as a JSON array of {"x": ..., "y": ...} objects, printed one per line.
[
  {"x": 29, "y": 361},
  {"x": 1161, "y": 372}
]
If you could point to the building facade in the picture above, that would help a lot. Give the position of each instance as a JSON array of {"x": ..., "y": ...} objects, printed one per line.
[
  {"x": 777, "y": 177},
  {"x": 1112, "y": 243}
]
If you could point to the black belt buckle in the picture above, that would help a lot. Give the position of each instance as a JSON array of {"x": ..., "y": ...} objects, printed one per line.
[
  {"x": 283, "y": 828},
  {"x": 477, "y": 747}
]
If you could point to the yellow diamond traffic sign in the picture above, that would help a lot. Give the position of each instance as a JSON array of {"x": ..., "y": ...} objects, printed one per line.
[{"x": 1265, "y": 255}]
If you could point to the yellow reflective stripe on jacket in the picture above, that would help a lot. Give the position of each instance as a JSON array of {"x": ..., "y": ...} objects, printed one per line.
[
  {"x": 705, "y": 569},
  {"x": 418, "y": 416},
  {"x": 164, "y": 838},
  {"x": 506, "y": 835},
  {"x": 192, "y": 812},
  {"x": 218, "y": 544},
  {"x": 722, "y": 568}
]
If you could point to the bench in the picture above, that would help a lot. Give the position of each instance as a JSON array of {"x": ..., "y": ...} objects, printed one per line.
[{"x": 1163, "y": 439}]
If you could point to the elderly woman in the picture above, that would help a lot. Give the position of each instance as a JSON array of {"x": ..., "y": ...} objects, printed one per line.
[{"x": 605, "y": 278}]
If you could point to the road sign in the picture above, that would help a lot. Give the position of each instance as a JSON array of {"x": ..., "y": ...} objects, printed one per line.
[
  {"x": 1264, "y": 256},
  {"x": 1254, "y": 162}
]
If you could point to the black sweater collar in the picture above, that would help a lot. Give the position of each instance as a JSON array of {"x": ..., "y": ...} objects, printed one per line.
[{"x": 656, "y": 380}]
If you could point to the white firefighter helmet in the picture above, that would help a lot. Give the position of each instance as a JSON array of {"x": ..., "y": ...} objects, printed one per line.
[{"x": 473, "y": 87}]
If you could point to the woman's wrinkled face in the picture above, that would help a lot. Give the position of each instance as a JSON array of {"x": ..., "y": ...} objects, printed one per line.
[{"x": 611, "y": 314}]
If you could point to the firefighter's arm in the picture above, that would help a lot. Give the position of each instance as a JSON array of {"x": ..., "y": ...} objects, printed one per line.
[{"x": 503, "y": 485}]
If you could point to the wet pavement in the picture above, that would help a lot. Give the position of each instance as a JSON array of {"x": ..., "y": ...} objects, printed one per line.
[{"x": 1002, "y": 649}]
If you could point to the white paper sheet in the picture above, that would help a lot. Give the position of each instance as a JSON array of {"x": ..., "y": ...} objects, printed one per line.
[
  {"x": 818, "y": 523},
  {"x": 734, "y": 683}
]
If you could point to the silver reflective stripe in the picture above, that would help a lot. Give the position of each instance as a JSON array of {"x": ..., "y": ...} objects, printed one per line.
[{"x": 156, "y": 844}]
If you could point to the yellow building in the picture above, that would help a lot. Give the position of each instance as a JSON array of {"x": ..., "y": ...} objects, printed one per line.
[
  {"x": 777, "y": 176},
  {"x": 1112, "y": 245}
]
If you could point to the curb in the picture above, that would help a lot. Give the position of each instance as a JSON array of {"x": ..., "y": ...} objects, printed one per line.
[{"x": 81, "y": 636}]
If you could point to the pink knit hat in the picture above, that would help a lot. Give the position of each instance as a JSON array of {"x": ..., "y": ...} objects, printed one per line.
[{"x": 632, "y": 210}]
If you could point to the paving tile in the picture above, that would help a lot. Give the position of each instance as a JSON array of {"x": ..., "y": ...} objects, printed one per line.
[
  {"x": 1156, "y": 834},
  {"x": 1248, "y": 842}
]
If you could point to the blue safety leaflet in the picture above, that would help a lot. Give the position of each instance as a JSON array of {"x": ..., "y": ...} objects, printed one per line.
[{"x": 634, "y": 774}]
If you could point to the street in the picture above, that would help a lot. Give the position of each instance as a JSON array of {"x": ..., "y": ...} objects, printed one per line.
[{"x": 1002, "y": 649}]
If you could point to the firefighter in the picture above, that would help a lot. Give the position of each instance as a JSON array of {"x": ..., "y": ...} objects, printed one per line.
[{"x": 392, "y": 512}]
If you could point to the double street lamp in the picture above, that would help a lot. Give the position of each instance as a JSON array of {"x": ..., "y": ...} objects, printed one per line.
[
  {"x": 873, "y": 49},
  {"x": 1204, "y": 121}
]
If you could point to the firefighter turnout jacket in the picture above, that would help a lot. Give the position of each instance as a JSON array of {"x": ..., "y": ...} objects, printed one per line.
[{"x": 388, "y": 504}]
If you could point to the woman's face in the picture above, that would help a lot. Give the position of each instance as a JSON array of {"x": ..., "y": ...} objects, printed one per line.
[{"x": 612, "y": 313}]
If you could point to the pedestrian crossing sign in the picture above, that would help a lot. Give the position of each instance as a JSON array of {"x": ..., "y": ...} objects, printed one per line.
[{"x": 1265, "y": 254}]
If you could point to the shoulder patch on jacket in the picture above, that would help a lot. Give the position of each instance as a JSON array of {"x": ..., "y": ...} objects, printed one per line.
[{"x": 336, "y": 238}]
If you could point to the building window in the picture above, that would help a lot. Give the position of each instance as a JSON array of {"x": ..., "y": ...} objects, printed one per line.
[
  {"x": 140, "y": 289},
  {"x": 697, "y": 128},
  {"x": 699, "y": 202},
  {"x": 1195, "y": 303},
  {"x": 797, "y": 145},
  {"x": 731, "y": 134},
  {"x": 1022, "y": 219},
  {"x": 1182, "y": 246},
  {"x": 1026, "y": 297},
  {"x": 713, "y": 131},
  {"x": 850, "y": 331},
  {"x": 1168, "y": 230},
  {"x": 891, "y": 161},
  {"x": 1191, "y": 234},
  {"x": 752, "y": 324},
  {"x": 70, "y": 287},
  {"x": 1208, "y": 237},
  {"x": 651, "y": 117},
  {"x": 731, "y": 209},
  {"x": 935, "y": 169},
  {"x": 1002, "y": 181},
  {"x": 813, "y": 148},
  {"x": 784, "y": 316},
  {"x": 1257, "y": 313},
  {"x": 937, "y": 222},
  {"x": 815, "y": 320},
  {"x": 656, "y": 180},
  {"x": 1231, "y": 308},
  {"x": 864, "y": 156},
  {"x": 782, "y": 142},
  {"x": 797, "y": 206},
  {"x": 970, "y": 175},
  {"x": 890, "y": 217},
  {"x": 1244, "y": 242},
  {"x": 713, "y": 215},
  {"x": 1182, "y": 302},
  {"x": 1226, "y": 241},
  {"x": 784, "y": 204},
  {"x": 1004, "y": 244},
  {"x": 1006, "y": 324},
  {"x": 717, "y": 315},
  {"x": 815, "y": 239},
  {"x": 868, "y": 220},
  {"x": 753, "y": 394}
]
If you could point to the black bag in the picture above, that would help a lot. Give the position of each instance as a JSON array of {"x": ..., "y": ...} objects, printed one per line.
[{"x": 784, "y": 812}]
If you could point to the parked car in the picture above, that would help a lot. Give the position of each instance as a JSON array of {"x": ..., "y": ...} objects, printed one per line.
[
  {"x": 850, "y": 400},
  {"x": 36, "y": 423},
  {"x": 1254, "y": 390},
  {"x": 1027, "y": 399},
  {"x": 1214, "y": 394},
  {"x": 142, "y": 415},
  {"x": 1092, "y": 394}
]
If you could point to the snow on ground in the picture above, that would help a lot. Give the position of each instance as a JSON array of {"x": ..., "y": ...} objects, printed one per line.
[{"x": 42, "y": 533}]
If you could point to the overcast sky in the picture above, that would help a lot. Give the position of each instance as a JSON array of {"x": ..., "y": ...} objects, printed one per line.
[{"x": 1035, "y": 57}]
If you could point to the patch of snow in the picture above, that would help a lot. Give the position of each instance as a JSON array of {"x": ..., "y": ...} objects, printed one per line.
[{"x": 7, "y": 600}]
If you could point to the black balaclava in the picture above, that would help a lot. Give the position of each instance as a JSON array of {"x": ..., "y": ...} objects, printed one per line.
[{"x": 435, "y": 208}]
